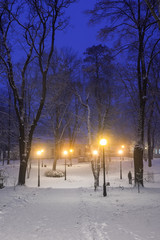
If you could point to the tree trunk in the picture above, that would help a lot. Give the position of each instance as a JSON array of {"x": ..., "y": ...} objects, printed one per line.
[
  {"x": 95, "y": 166},
  {"x": 150, "y": 137},
  {"x": 9, "y": 126},
  {"x": 142, "y": 87},
  {"x": 138, "y": 150},
  {"x": 149, "y": 146},
  {"x": 23, "y": 160},
  {"x": 22, "y": 173},
  {"x": 56, "y": 155},
  {"x": 55, "y": 163},
  {"x": 138, "y": 165}
]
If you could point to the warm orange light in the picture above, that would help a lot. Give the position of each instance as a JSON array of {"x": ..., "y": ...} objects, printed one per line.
[
  {"x": 65, "y": 152},
  {"x": 71, "y": 150},
  {"x": 122, "y": 146},
  {"x": 103, "y": 142},
  {"x": 39, "y": 152},
  {"x": 120, "y": 152},
  {"x": 95, "y": 152}
]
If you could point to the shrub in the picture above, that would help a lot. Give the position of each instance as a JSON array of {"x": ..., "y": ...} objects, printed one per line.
[{"x": 54, "y": 173}]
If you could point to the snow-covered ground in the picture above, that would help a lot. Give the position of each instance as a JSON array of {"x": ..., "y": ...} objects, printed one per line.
[{"x": 72, "y": 210}]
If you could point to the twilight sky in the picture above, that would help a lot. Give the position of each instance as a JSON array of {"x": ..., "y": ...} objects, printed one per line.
[{"x": 79, "y": 35}]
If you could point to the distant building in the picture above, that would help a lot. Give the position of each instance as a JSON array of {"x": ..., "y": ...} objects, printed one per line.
[{"x": 156, "y": 152}]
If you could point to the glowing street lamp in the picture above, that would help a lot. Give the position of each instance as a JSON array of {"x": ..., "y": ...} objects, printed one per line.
[
  {"x": 95, "y": 152},
  {"x": 103, "y": 143},
  {"x": 65, "y": 173},
  {"x": 120, "y": 152},
  {"x": 39, "y": 153}
]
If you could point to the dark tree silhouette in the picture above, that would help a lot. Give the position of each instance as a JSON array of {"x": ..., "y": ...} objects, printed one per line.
[{"x": 35, "y": 30}]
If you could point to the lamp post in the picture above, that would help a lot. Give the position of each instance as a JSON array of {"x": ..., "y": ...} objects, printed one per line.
[
  {"x": 65, "y": 172},
  {"x": 70, "y": 156},
  {"x": 120, "y": 153},
  {"x": 123, "y": 149},
  {"x": 39, "y": 154},
  {"x": 42, "y": 159},
  {"x": 103, "y": 143}
]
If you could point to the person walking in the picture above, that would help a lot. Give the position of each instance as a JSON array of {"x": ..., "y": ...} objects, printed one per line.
[{"x": 130, "y": 177}]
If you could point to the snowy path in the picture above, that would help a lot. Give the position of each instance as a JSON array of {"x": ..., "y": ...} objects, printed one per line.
[
  {"x": 115, "y": 219},
  {"x": 71, "y": 210},
  {"x": 75, "y": 214},
  {"x": 52, "y": 215}
]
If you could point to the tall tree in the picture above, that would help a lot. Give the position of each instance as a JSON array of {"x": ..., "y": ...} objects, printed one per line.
[
  {"x": 97, "y": 68},
  {"x": 153, "y": 108},
  {"x": 97, "y": 97},
  {"x": 32, "y": 24},
  {"x": 133, "y": 22},
  {"x": 59, "y": 107}
]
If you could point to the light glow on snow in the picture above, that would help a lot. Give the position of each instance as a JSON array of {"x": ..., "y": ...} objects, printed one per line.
[{"x": 72, "y": 210}]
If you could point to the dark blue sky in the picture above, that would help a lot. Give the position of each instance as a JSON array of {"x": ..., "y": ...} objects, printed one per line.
[{"x": 79, "y": 35}]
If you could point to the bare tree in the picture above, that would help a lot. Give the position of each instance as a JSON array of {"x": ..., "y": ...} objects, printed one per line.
[
  {"x": 8, "y": 130},
  {"x": 153, "y": 108},
  {"x": 97, "y": 68},
  {"x": 154, "y": 7},
  {"x": 96, "y": 99},
  {"x": 60, "y": 99},
  {"x": 33, "y": 24},
  {"x": 132, "y": 19}
]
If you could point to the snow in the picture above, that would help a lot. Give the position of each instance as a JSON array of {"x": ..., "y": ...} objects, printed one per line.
[{"x": 72, "y": 210}]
